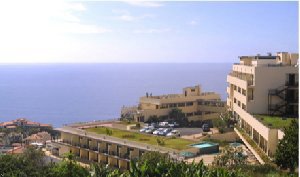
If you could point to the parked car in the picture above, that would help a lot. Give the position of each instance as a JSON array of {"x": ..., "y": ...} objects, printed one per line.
[
  {"x": 144, "y": 129},
  {"x": 173, "y": 133},
  {"x": 165, "y": 132},
  {"x": 173, "y": 124},
  {"x": 163, "y": 124},
  {"x": 150, "y": 130},
  {"x": 156, "y": 132},
  {"x": 205, "y": 128},
  {"x": 155, "y": 125}
]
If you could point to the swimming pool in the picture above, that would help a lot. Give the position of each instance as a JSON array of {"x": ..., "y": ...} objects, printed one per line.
[
  {"x": 203, "y": 145},
  {"x": 235, "y": 144},
  {"x": 207, "y": 147}
]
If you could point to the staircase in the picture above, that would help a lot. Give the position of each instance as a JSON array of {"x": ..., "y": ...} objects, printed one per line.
[{"x": 278, "y": 108}]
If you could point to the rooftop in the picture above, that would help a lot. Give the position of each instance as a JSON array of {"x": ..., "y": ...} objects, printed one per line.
[
  {"x": 139, "y": 140},
  {"x": 274, "y": 121},
  {"x": 173, "y": 143},
  {"x": 99, "y": 135}
]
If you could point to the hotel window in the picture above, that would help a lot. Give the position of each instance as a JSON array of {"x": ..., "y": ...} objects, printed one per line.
[
  {"x": 243, "y": 106},
  {"x": 181, "y": 105},
  {"x": 234, "y": 87},
  {"x": 189, "y": 104},
  {"x": 239, "y": 103},
  {"x": 244, "y": 92},
  {"x": 189, "y": 114},
  {"x": 234, "y": 100},
  {"x": 239, "y": 89},
  {"x": 198, "y": 113},
  {"x": 163, "y": 106},
  {"x": 172, "y": 105},
  {"x": 200, "y": 102}
]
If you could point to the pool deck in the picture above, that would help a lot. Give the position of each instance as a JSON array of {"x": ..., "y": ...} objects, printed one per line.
[{"x": 207, "y": 159}]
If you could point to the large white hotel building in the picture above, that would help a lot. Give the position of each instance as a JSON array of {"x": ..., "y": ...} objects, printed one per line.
[{"x": 263, "y": 85}]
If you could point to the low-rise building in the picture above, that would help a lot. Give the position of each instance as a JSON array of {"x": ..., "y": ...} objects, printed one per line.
[
  {"x": 22, "y": 122},
  {"x": 40, "y": 137},
  {"x": 195, "y": 104},
  {"x": 92, "y": 147},
  {"x": 264, "y": 88}
]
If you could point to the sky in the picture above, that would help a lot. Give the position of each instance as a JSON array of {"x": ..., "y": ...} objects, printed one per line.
[{"x": 144, "y": 32}]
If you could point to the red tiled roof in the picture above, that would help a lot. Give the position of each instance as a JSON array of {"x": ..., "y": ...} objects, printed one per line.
[
  {"x": 45, "y": 125},
  {"x": 7, "y": 123},
  {"x": 16, "y": 150}
]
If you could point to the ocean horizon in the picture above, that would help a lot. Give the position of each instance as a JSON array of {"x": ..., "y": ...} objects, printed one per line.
[{"x": 63, "y": 93}]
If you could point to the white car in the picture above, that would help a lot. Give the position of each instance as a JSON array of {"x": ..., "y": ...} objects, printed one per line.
[
  {"x": 157, "y": 131},
  {"x": 174, "y": 133},
  {"x": 150, "y": 130},
  {"x": 144, "y": 129},
  {"x": 163, "y": 124},
  {"x": 165, "y": 131}
]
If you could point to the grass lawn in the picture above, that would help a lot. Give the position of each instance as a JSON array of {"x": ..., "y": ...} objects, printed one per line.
[
  {"x": 274, "y": 121},
  {"x": 174, "y": 143}
]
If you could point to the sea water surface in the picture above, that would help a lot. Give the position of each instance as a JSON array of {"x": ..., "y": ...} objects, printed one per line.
[{"x": 68, "y": 93}]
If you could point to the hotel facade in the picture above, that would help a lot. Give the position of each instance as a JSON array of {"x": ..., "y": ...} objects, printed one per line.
[
  {"x": 263, "y": 85},
  {"x": 92, "y": 147},
  {"x": 195, "y": 104}
]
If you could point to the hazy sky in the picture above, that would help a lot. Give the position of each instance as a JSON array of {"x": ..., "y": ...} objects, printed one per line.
[{"x": 57, "y": 31}]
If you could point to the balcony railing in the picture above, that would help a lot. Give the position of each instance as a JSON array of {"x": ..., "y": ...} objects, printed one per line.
[
  {"x": 242, "y": 77},
  {"x": 124, "y": 156},
  {"x": 104, "y": 151},
  {"x": 84, "y": 146},
  {"x": 94, "y": 148},
  {"x": 112, "y": 153}
]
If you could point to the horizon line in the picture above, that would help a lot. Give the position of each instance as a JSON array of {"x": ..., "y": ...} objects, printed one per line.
[{"x": 30, "y": 63}]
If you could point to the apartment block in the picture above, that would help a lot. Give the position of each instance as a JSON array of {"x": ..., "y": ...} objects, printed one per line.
[
  {"x": 92, "y": 147},
  {"x": 263, "y": 85},
  {"x": 194, "y": 103}
]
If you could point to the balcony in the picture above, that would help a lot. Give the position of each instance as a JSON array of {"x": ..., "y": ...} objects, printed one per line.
[
  {"x": 94, "y": 149},
  {"x": 104, "y": 151},
  {"x": 243, "y": 77},
  {"x": 75, "y": 144},
  {"x": 84, "y": 146},
  {"x": 112, "y": 153}
]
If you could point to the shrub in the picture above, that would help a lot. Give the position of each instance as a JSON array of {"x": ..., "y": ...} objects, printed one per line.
[
  {"x": 128, "y": 136},
  {"x": 138, "y": 125},
  {"x": 144, "y": 139},
  {"x": 160, "y": 141},
  {"x": 108, "y": 131}
]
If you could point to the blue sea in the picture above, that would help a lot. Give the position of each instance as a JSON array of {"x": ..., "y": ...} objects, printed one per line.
[{"x": 66, "y": 93}]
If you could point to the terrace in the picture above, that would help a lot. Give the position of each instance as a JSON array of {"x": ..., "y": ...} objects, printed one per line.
[
  {"x": 173, "y": 143},
  {"x": 274, "y": 121}
]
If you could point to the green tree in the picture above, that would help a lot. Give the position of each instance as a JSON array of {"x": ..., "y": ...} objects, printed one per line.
[
  {"x": 99, "y": 170},
  {"x": 69, "y": 168},
  {"x": 287, "y": 153},
  {"x": 152, "y": 158},
  {"x": 152, "y": 118},
  {"x": 178, "y": 116},
  {"x": 30, "y": 163}
]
